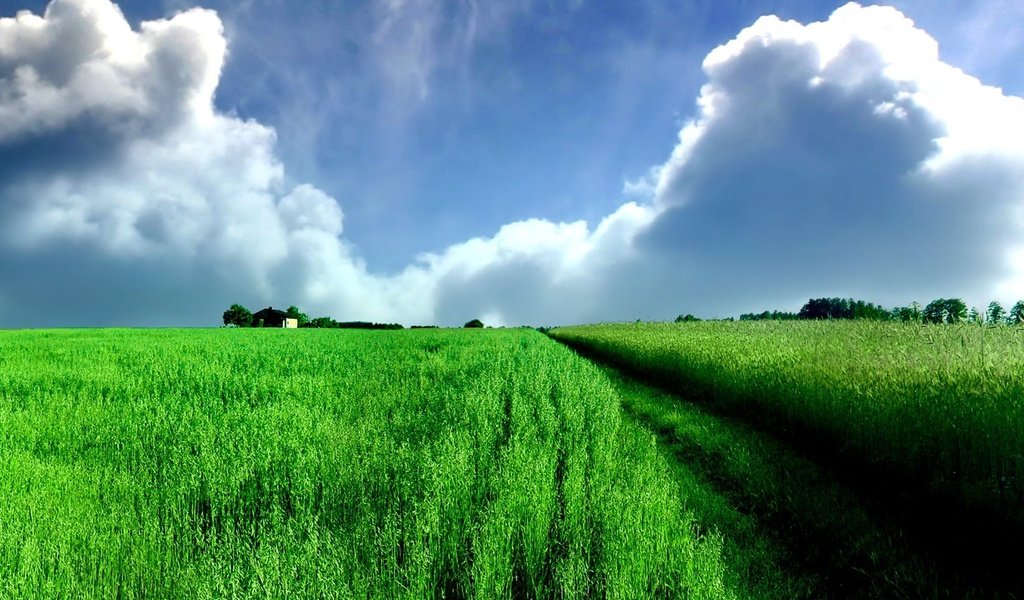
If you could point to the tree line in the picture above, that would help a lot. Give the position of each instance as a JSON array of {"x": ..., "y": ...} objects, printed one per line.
[
  {"x": 940, "y": 310},
  {"x": 239, "y": 316}
]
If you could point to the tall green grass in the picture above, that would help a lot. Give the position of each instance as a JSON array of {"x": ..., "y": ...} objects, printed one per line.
[
  {"x": 940, "y": 407},
  {"x": 426, "y": 464}
]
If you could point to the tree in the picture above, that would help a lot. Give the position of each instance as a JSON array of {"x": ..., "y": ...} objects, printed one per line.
[
  {"x": 775, "y": 315},
  {"x": 974, "y": 317},
  {"x": 816, "y": 308},
  {"x": 908, "y": 314},
  {"x": 301, "y": 317},
  {"x": 935, "y": 311},
  {"x": 322, "y": 323},
  {"x": 956, "y": 310},
  {"x": 687, "y": 318},
  {"x": 945, "y": 310},
  {"x": 996, "y": 312},
  {"x": 237, "y": 316},
  {"x": 842, "y": 308},
  {"x": 1016, "y": 313},
  {"x": 474, "y": 324}
]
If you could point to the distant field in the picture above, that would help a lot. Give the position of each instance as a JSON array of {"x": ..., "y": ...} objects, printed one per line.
[
  {"x": 214, "y": 463},
  {"x": 940, "y": 407}
]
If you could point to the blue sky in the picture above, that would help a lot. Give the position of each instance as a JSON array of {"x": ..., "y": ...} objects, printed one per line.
[{"x": 428, "y": 124}]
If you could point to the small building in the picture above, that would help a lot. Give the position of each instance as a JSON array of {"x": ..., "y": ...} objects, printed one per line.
[{"x": 271, "y": 317}]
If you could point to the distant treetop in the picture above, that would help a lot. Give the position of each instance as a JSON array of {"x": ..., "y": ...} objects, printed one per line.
[
  {"x": 237, "y": 316},
  {"x": 842, "y": 308}
]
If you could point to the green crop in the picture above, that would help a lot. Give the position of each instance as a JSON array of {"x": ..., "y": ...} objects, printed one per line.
[
  {"x": 426, "y": 464},
  {"x": 938, "y": 407}
]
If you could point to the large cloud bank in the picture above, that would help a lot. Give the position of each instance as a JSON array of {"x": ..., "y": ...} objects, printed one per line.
[{"x": 840, "y": 157}]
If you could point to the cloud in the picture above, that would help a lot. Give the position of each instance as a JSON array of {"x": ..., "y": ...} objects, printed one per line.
[
  {"x": 840, "y": 157},
  {"x": 120, "y": 174},
  {"x": 536, "y": 271},
  {"x": 81, "y": 63},
  {"x": 128, "y": 198}
]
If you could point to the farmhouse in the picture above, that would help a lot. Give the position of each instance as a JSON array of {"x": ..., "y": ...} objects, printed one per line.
[{"x": 271, "y": 317}]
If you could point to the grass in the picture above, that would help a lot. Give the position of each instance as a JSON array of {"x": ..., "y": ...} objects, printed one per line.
[
  {"x": 426, "y": 464},
  {"x": 934, "y": 409},
  {"x": 793, "y": 528},
  {"x": 499, "y": 464}
]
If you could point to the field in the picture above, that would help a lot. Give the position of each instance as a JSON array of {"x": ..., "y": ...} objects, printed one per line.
[
  {"x": 218, "y": 463},
  {"x": 694, "y": 460},
  {"x": 935, "y": 408}
]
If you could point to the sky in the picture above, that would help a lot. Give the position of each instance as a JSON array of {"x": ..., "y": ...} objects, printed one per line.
[{"x": 532, "y": 162}]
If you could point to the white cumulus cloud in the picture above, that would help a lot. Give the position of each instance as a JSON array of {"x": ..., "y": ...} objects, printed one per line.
[
  {"x": 842, "y": 157},
  {"x": 129, "y": 198}
]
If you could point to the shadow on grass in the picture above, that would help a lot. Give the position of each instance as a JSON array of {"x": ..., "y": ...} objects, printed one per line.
[{"x": 833, "y": 526}]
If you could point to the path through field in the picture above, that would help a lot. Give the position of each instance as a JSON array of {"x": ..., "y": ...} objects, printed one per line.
[{"x": 798, "y": 526}]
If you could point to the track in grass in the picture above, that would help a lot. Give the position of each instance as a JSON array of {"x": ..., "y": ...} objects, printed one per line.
[{"x": 422, "y": 464}]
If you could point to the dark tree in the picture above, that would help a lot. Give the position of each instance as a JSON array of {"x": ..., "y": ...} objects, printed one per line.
[
  {"x": 329, "y": 323},
  {"x": 237, "y": 316},
  {"x": 828, "y": 308},
  {"x": 322, "y": 323},
  {"x": 907, "y": 314},
  {"x": 935, "y": 311},
  {"x": 975, "y": 317},
  {"x": 867, "y": 310},
  {"x": 825, "y": 308},
  {"x": 1016, "y": 314},
  {"x": 945, "y": 310},
  {"x": 775, "y": 315},
  {"x": 996, "y": 313},
  {"x": 815, "y": 308},
  {"x": 843, "y": 308},
  {"x": 367, "y": 325},
  {"x": 956, "y": 310},
  {"x": 475, "y": 323},
  {"x": 687, "y": 318}
]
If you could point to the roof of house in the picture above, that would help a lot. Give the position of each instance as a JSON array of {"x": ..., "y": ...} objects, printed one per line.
[{"x": 270, "y": 311}]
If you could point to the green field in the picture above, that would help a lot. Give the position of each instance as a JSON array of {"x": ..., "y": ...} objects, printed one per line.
[
  {"x": 270, "y": 463},
  {"x": 767, "y": 460},
  {"x": 940, "y": 408}
]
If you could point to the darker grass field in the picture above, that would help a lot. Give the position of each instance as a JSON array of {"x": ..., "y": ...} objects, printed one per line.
[
  {"x": 888, "y": 453},
  {"x": 940, "y": 406},
  {"x": 794, "y": 527}
]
